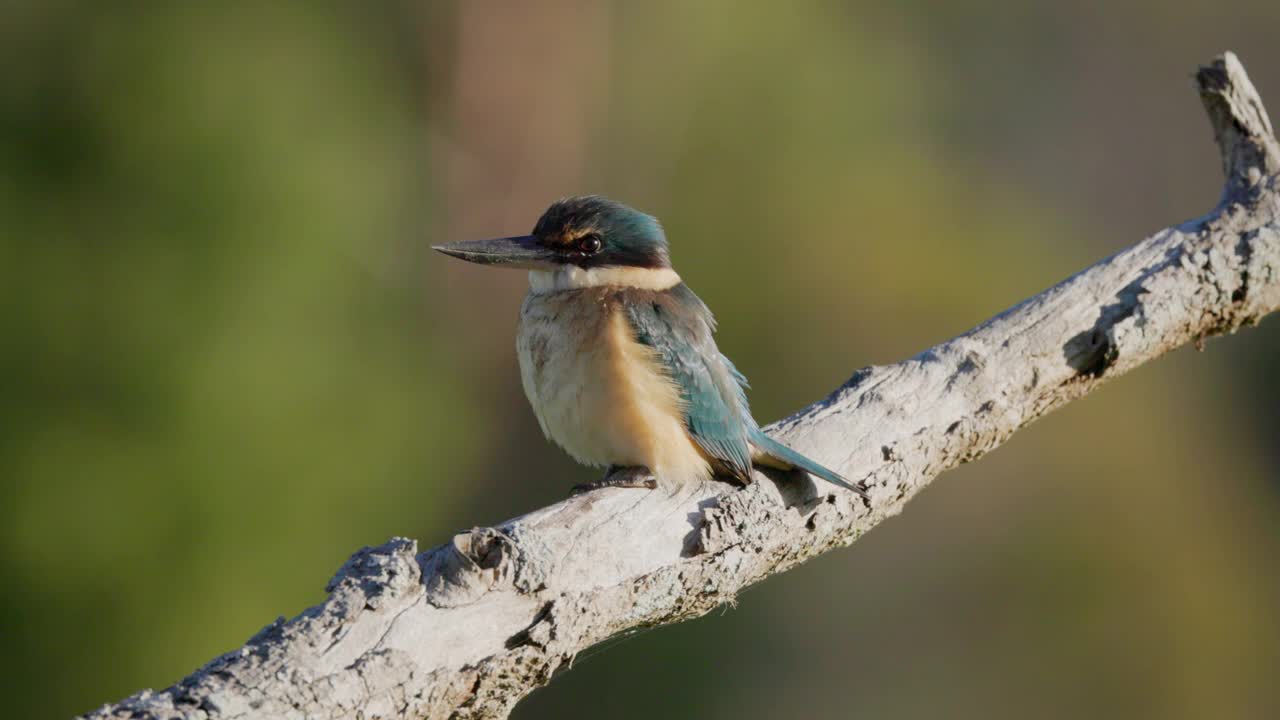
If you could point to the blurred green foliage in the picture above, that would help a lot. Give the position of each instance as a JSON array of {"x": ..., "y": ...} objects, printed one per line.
[
  {"x": 217, "y": 376},
  {"x": 228, "y": 360}
]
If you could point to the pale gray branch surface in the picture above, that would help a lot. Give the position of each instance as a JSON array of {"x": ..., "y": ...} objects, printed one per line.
[{"x": 468, "y": 628}]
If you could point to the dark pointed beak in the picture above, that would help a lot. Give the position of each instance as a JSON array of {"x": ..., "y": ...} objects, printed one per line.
[{"x": 522, "y": 251}]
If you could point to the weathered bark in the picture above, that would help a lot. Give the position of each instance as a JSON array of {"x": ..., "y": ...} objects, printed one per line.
[{"x": 468, "y": 628}]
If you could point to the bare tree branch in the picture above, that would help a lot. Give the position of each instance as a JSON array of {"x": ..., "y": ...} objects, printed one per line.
[{"x": 468, "y": 628}]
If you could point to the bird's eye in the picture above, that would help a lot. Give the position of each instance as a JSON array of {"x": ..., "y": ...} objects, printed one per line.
[{"x": 590, "y": 244}]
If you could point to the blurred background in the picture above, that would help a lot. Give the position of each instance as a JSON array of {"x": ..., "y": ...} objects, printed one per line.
[{"x": 229, "y": 359}]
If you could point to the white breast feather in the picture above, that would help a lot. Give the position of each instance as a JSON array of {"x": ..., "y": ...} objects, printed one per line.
[{"x": 597, "y": 392}]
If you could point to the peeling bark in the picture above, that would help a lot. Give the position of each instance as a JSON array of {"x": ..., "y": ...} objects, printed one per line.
[{"x": 468, "y": 628}]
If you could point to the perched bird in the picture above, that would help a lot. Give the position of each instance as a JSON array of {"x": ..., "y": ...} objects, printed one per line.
[{"x": 617, "y": 355}]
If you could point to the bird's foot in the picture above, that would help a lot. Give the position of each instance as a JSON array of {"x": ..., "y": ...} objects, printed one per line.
[{"x": 635, "y": 476}]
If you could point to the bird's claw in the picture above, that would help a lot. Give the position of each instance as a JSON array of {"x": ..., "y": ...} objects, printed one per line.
[{"x": 616, "y": 477}]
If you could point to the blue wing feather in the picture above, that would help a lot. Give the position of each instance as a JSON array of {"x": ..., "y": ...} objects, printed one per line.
[{"x": 678, "y": 326}]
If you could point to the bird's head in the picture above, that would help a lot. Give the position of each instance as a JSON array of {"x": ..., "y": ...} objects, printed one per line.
[{"x": 583, "y": 232}]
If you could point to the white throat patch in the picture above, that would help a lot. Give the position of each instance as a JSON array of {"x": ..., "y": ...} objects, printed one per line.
[{"x": 572, "y": 277}]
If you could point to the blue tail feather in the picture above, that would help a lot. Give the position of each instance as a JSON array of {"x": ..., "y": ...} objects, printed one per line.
[{"x": 777, "y": 451}]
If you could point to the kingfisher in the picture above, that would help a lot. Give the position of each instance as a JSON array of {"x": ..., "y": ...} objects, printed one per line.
[{"x": 617, "y": 354}]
